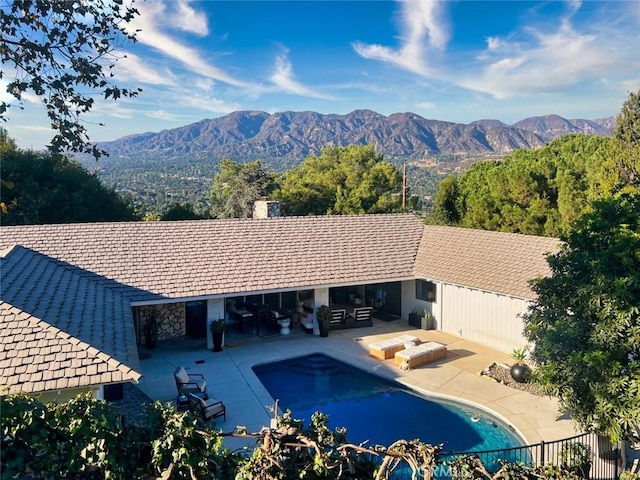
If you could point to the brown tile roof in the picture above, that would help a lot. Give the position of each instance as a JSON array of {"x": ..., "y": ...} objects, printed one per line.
[
  {"x": 36, "y": 356},
  {"x": 199, "y": 258},
  {"x": 61, "y": 326},
  {"x": 492, "y": 261}
]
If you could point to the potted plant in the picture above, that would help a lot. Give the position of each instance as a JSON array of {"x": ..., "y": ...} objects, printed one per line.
[
  {"x": 151, "y": 331},
  {"x": 576, "y": 457},
  {"x": 520, "y": 370},
  {"x": 427, "y": 322},
  {"x": 324, "y": 316},
  {"x": 415, "y": 317},
  {"x": 218, "y": 327},
  {"x": 357, "y": 299}
]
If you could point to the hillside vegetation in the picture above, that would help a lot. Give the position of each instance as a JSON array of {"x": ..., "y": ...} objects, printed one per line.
[{"x": 543, "y": 191}]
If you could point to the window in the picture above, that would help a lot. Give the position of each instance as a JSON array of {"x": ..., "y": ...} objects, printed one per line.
[
  {"x": 425, "y": 290},
  {"x": 272, "y": 299}
]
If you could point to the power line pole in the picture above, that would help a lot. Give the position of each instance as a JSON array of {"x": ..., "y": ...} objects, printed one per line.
[{"x": 404, "y": 186}]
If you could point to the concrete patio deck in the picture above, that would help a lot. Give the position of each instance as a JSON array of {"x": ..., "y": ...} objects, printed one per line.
[{"x": 230, "y": 378}]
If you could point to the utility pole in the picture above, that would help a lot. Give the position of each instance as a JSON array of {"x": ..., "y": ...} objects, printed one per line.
[{"x": 404, "y": 186}]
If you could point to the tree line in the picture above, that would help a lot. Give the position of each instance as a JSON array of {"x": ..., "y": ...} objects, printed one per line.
[
  {"x": 543, "y": 191},
  {"x": 40, "y": 187}
]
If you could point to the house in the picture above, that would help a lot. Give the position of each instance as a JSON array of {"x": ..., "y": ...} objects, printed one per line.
[{"x": 94, "y": 286}]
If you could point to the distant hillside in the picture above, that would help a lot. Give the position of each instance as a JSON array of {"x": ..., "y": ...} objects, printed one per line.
[
  {"x": 178, "y": 165},
  {"x": 295, "y": 135}
]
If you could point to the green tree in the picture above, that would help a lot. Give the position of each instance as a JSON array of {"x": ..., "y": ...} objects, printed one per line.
[
  {"x": 585, "y": 323},
  {"x": 178, "y": 211},
  {"x": 445, "y": 210},
  {"x": 341, "y": 181},
  {"x": 538, "y": 191},
  {"x": 236, "y": 186},
  {"x": 621, "y": 173},
  {"x": 63, "y": 52},
  {"x": 43, "y": 188}
]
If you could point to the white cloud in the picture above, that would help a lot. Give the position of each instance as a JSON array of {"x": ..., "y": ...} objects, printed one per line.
[
  {"x": 424, "y": 31},
  {"x": 161, "y": 115},
  {"x": 632, "y": 85},
  {"x": 547, "y": 57},
  {"x": 284, "y": 79},
  {"x": 426, "y": 105},
  {"x": 495, "y": 44},
  {"x": 132, "y": 68},
  {"x": 203, "y": 104},
  {"x": 190, "y": 20},
  {"x": 154, "y": 22},
  {"x": 544, "y": 61},
  {"x": 104, "y": 109}
]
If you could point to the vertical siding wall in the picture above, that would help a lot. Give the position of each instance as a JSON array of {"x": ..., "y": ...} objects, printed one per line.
[{"x": 488, "y": 318}]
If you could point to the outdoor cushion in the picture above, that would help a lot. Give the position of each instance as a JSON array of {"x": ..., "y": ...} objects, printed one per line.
[
  {"x": 420, "y": 354},
  {"x": 187, "y": 383},
  {"x": 385, "y": 349},
  {"x": 207, "y": 408},
  {"x": 181, "y": 375}
]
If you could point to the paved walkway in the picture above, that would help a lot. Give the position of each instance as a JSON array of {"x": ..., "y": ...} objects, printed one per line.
[{"x": 230, "y": 378}]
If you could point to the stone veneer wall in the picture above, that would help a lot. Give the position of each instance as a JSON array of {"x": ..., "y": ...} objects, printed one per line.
[{"x": 171, "y": 320}]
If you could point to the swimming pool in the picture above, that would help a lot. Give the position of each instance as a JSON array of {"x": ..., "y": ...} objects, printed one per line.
[{"x": 376, "y": 409}]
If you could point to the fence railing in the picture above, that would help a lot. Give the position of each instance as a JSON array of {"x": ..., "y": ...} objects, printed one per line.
[{"x": 605, "y": 457}]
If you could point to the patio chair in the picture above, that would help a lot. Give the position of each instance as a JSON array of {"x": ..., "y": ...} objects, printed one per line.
[
  {"x": 362, "y": 317},
  {"x": 189, "y": 382},
  {"x": 207, "y": 408},
  {"x": 338, "y": 317}
]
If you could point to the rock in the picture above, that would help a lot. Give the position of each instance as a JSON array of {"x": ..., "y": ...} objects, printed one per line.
[{"x": 502, "y": 374}]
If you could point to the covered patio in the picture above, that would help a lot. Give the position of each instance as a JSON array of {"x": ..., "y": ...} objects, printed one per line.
[{"x": 230, "y": 378}]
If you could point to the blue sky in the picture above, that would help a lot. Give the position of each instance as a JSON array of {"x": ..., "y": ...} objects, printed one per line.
[{"x": 458, "y": 61}]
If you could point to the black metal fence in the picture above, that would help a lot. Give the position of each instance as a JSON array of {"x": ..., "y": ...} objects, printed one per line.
[{"x": 605, "y": 457}]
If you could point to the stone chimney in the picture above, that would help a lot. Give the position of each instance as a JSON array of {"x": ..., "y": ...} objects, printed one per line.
[{"x": 266, "y": 208}]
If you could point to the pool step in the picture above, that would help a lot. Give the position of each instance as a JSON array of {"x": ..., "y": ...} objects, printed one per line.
[{"x": 314, "y": 365}]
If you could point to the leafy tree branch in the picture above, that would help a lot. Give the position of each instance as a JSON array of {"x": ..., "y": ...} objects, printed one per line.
[{"x": 56, "y": 50}]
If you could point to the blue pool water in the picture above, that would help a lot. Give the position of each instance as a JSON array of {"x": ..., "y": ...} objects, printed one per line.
[{"x": 378, "y": 410}]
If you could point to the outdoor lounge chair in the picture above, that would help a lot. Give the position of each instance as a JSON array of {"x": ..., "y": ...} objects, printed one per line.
[
  {"x": 338, "y": 317},
  {"x": 207, "y": 408},
  {"x": 362, "y": 317},
  {"x": 189, "y": 382},
  {"x": 385, "y": 349},
  {"x": 413, "y": 357}
]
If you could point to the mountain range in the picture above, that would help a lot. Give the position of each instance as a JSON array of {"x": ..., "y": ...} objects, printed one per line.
[{"x": 292, "y": 136}]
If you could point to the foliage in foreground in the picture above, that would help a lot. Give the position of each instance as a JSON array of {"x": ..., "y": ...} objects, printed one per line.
[
  {"x": 87, "y": 438},
  {"x": 64, "y": 52}
]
